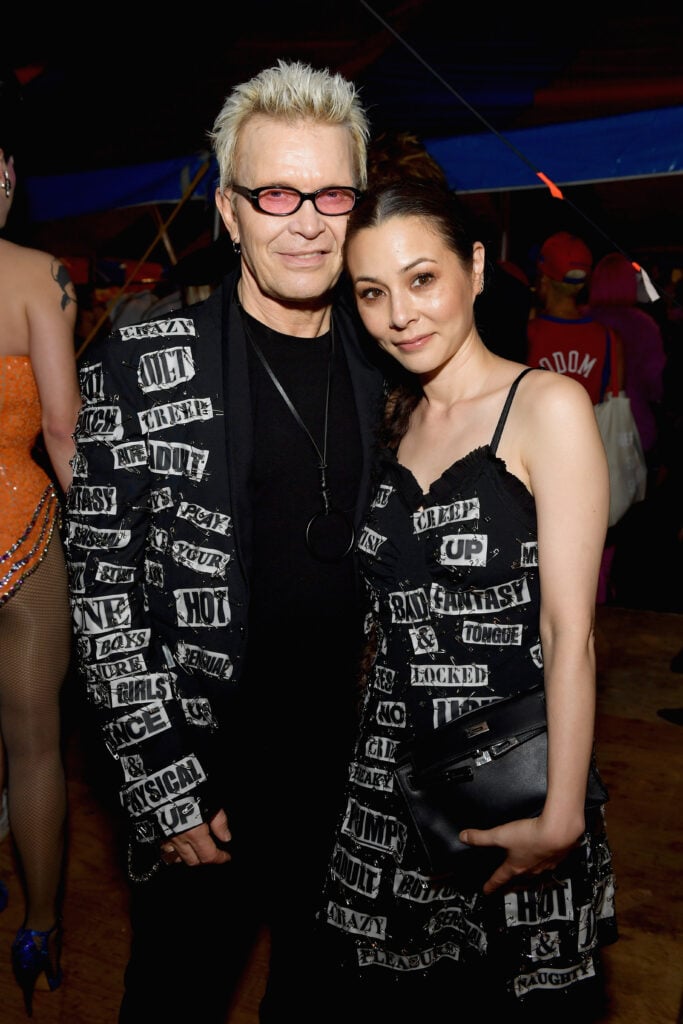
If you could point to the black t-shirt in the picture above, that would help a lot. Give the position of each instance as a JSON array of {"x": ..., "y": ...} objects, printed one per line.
[{"x": 304, "y": 621}]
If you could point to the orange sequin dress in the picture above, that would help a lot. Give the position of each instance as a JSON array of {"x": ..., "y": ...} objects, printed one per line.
[{"x": 29, "y": 504}]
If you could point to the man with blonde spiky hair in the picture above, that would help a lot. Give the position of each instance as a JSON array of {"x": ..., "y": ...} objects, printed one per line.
[{"x": 223, "y": 459}]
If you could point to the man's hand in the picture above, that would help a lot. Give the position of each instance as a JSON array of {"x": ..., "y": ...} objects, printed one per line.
[{"x": 197, "y": 845}]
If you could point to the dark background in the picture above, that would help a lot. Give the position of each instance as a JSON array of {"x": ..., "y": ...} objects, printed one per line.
[{"x": 106, "y": 88}]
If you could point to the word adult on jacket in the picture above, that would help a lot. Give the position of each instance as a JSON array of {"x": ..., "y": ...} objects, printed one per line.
[{"x": 222, "y": 467}]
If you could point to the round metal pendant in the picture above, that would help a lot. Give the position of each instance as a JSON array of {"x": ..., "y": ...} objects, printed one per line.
[{"x": 330, "y": 536}]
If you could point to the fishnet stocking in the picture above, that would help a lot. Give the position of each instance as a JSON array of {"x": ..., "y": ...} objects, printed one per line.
[{"x": 35, "y": 645}]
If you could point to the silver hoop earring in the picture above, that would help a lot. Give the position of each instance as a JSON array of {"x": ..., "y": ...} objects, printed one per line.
[
  {"x": 7, "y": 185},
  {"x": 236, "y": 247}
]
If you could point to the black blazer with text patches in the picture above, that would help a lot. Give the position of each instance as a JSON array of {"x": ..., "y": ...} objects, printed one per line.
[{"x": 157, "y": 534}]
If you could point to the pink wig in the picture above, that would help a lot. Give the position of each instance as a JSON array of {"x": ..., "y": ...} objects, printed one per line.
[{"x": 614, "y": 282}]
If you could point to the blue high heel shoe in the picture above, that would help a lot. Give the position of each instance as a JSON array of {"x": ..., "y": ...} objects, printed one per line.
[{"x": 35, "y": 953}]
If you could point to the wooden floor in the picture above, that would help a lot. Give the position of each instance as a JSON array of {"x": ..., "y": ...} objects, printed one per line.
[{"x": 641, "y": 758}]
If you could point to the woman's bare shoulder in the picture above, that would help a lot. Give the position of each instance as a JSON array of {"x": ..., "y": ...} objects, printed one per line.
[
  {"x": 20, "y": 260},
  {"x": 547, "y": 402},
  {"x": 548, "y": 387}
]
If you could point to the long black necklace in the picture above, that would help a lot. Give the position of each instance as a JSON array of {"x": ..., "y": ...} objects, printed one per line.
[{"x": 329, "y": 532}]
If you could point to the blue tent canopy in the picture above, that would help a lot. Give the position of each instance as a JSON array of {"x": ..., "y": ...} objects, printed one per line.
[
  {"x": 55, "y": 196},
  {"x": 576, "y": 153},
  {"x": 634, "y": 145}
]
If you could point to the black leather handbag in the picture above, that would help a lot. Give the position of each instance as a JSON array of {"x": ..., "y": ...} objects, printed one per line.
[{"x": 485, "y": 768}]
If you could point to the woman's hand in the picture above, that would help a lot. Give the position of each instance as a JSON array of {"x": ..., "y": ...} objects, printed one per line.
[{"x": 532, "y": 848}]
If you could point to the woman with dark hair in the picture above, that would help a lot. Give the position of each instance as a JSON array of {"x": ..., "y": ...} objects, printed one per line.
[
  {"x": 480, "y": 556},
  {"x": 38, "y": 394}
]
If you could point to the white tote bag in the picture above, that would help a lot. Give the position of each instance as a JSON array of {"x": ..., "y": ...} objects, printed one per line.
[{"x": 625, "y": 456}]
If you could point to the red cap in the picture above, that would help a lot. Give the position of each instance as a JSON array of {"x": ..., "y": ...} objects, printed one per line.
[{"x": 565, "y": 257}]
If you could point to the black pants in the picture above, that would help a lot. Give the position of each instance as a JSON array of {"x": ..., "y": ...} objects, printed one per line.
[
  {"x": 193, "y": 928},
  {"x": 190, "y": 941}
]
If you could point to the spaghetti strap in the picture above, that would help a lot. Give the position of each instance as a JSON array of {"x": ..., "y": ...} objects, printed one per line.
[{"x": 506, "y": 409}]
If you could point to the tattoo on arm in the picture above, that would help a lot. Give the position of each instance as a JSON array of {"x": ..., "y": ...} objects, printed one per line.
[{"x": 61, "y": 275}]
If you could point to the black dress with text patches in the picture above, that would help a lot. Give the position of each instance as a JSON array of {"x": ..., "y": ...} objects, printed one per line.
[{"x": 453, "y": 584}]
